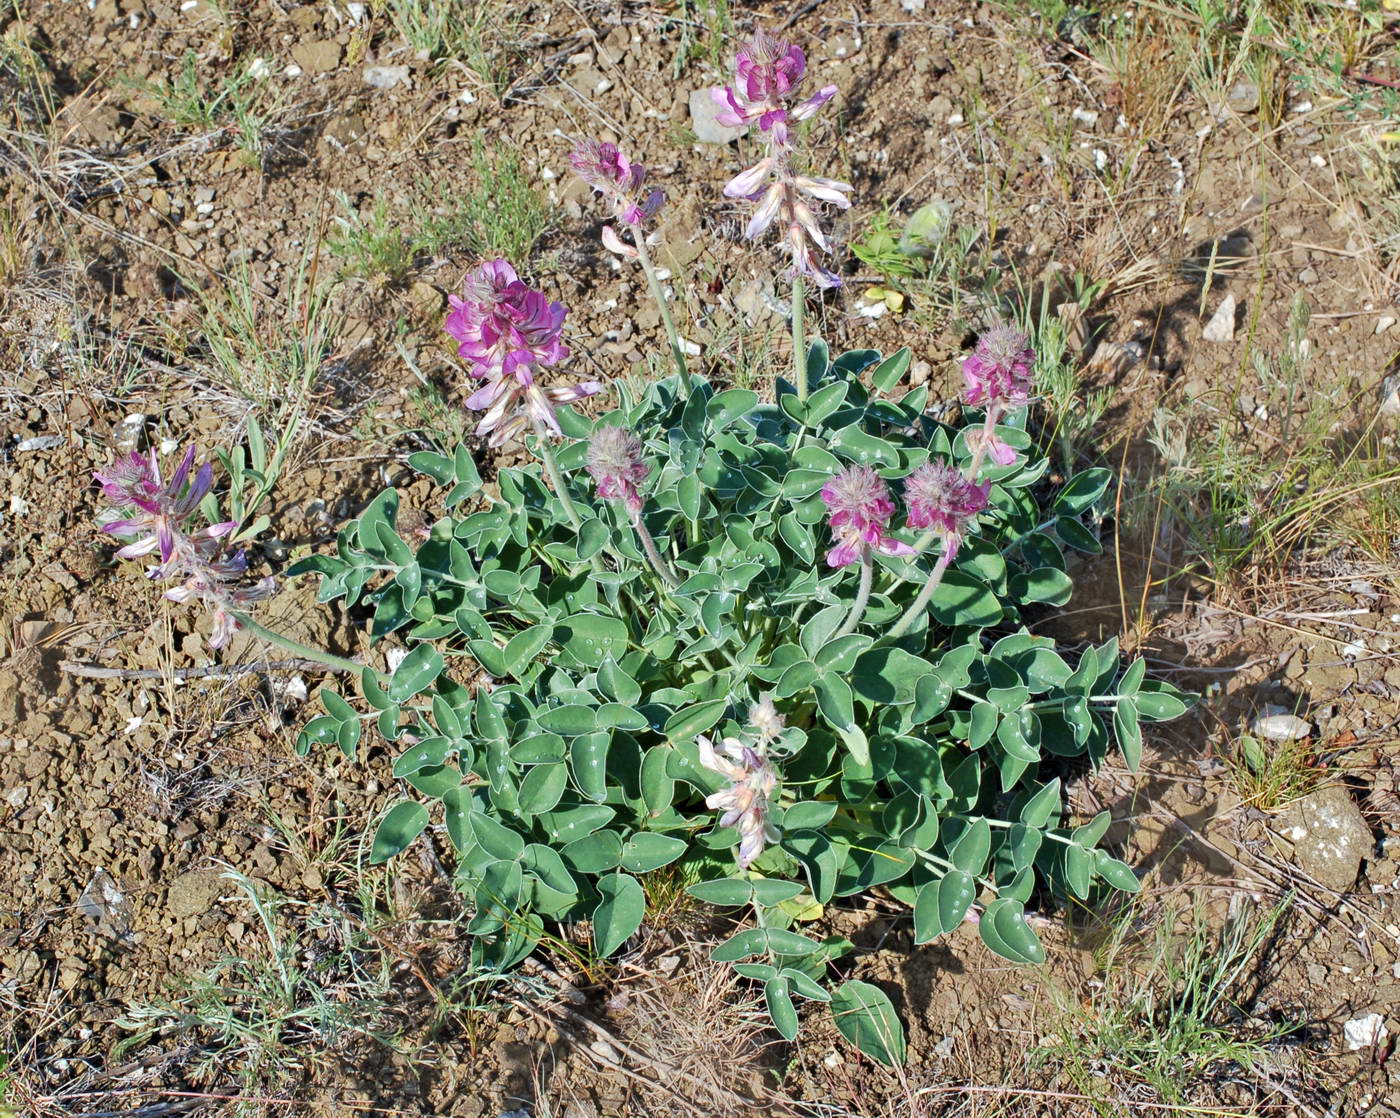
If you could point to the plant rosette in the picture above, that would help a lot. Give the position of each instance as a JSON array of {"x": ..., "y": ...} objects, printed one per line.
[{"x": 681, "y": 679}]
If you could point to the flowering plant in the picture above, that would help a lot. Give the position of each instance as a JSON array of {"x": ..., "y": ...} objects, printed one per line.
[{"x": 780, "y": 649}]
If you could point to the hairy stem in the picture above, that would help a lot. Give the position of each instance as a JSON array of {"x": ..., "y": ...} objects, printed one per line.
[
  {"x": 556, "y": 479},
  {"x": 799, "y": 339},
  {"x": 279, "y": 640},
  {"x": 658, "y": 564},
  {"x": 639, "y": 239},
  {"x": 920, "y": 603},
  {"x": 867, "y": 574}
]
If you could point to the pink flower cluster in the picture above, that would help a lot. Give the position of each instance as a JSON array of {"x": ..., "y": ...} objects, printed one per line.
[
  {"x": 616, "y": 466},
  {"x": 610, "y": 173},
  {"x": 506, "y": 330},
  {"x": 768, "y": 72},
  {"x": 997, "y": 374},
  {"x": 998, "y": 370},
  {"x": 860, "y": 509},
  {"x": 201, "y": 561}
]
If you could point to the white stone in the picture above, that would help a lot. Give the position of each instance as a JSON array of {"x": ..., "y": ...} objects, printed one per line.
[
  {"x": 1221, "y": 327},
  {"x": 1278, "y": 724},
  {"x": 1368, "y": 1031}
]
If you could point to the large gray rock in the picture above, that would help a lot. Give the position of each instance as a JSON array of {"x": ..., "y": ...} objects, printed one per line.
[
  {"x": 1329, "y": 835},
  {"x": 707, "y": 129}
]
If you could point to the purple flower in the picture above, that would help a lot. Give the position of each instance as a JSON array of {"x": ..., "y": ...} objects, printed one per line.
[
  {"x": 507, "y": 329},
  {"x": 860, "y": 509},
  {"x": 768, "y": 71},
  {"x": 615, "y": 464},
  {"x": 158, "y": 510},
  {"x": 502, "y": 325},
  {"x": 747, "y": 802},
  {"x": 610, "y": 173},
  {"x": 998, "y": 371},
  {"x": 199, "y": 560},
  {"x": 767, "y": 74},
  {"x": 939, "y": 497}
]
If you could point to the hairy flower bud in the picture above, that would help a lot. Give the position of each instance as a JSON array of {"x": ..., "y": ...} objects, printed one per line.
[
  {"x": 860, "y": 509},
  {"x": 939, "y": 497},
  {"x": 747, "y": 802},
  {"x": 998, "y": 371},
  {"x": 616, "y": 466}
]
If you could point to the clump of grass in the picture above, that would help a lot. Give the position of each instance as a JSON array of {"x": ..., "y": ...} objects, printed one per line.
[
  {"x": 372, "y": 244},
  {"x": 267, "y": 1017},
  {"x": 1271, "y": 775},
  {"x": 706, "y": 26},
  {"x": 471, "y": 33},
  {"x": 1073, "y": 411},
  {"x": 244, "y": 104},
  {"x": 1242, "y": 497},
  {"x": 269, "y": 353},
  {"x": 500, "y": 215},
  {"x": 1174, "y": 1014},
  {"x": 935, "y": 263}
]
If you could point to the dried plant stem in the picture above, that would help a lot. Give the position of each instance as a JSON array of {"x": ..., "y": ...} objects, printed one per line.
[
  {"x": 658, "y": 564},
  {"x": 208, "y": 671},
  {"x": 920, "y": 603},
  {"x": 799, "y": 338},
  {"x": 639, "y": 239},
  {"x": 867, "y": 575},
  {"x": 296, "y": 647}
]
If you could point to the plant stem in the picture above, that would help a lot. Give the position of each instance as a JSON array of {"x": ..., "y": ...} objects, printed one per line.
[
  {"x": 551, "y": 467},
  {"x": 320, "y": 655},
  {"x": 658, "y": 564},
  {"x": 917, "y": 607},
  {"x": 988, "y": 426},
  {"x": 639, "y": 239},
  {"x": 799, "y": 339},
  {"x": 867, "y": 574}
]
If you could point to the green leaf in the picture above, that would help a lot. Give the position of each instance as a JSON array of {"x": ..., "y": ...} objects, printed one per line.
[
  {"x": 646, "y": 851},
  {"x": 1004, "y": 929},
  {"x": 891, "y": 370},
  {"x": 543, "y": 787},
  {"x": 835, "y": 700},
  {"x": 588, "y": 757},
  {"x": 1079, "y": 870},
  {"x": 728, "y": 406},
  {"x": 616, "y": 683},
  {"x": 1118, "y": 874},
  {"x": 685, "y": 724},
  {"x": 812, "y": 815},
  {"x": 522, "y": 648},
  {"x": 595, "y": 853},
  {"x": 404, "y": 823},
  {"x": 867, "y": 1019},
  {"x": 1044, "y": 584},
  {"x": 337, "y": 707},
  {"x": 963, "y": 600},
  {"x": 825, "y": 401},
  {"x": 1160, "y": 702},
  {"x": 495, "y": 837},
  {"x": 779, "y": 1001},
  {"x": 727, "y": 892},
  {"x": 658, "y": 786},
  {"x": 1128, "y": 732},
  {"x": 1044, "y": 806},
  {"x": 571, "y": 720},
  {"x": 970, "y": 850},
  {"x": 416, "y": 673},
  {"x": 538, "y": 749},
  {"x": 1082, "y": 491},
  {"x": 591, "y": 638},
  {"x": 1077, "y": 536},
  {"x": 619, "y": 912},
  {"x": 757, "y": 941}
]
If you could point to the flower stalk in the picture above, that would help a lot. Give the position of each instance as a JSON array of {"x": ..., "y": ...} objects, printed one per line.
[
  {"x": 306, "y": 651},
  {"x": 799, "y": 340}
]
